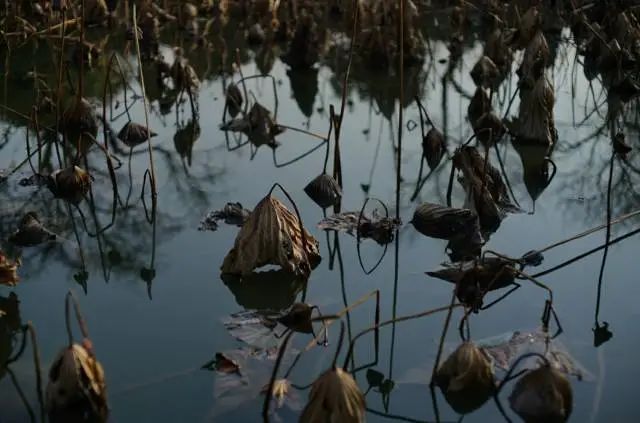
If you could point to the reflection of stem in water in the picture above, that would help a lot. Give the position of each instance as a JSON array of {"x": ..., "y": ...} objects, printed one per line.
[
  {"x": 443, "y": 336},
  {"x": 375, "y": 159},
  {"x": 607, "y": 238},
  {"x": 36, "y": 363},
  {"x": 83, "y": 266},
  {"x": 343, "y": 288},
  {"x": 21, "y": 394}
]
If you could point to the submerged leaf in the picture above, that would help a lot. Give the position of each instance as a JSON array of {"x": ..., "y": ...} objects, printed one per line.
[
  {"x": 380, "y": 229},
  {"x": 298, "y": 318},
  {"x": 272, "y": 235},
  {"x": 31, "y": 232},
  {"x": 266, "y": 290}
]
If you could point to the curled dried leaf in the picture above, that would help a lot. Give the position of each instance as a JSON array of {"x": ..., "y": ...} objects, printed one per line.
[
  {"x": 324, "y": 191},
  {"x": 71, "y": 183},
  {"x": 272, "y": 235},
  {"x": 433, "y": 147},
  {"x": 8, "y": 271},
  {"x": 334, "y": 397},
  {"x": 133, "y": 134},
  {"x": 542, "y": 395},
  {"x": 31, "y": 232},
  {"x": 234, "y": 99},
  {"x": 76, "y": 380},
  {"x": 442, "y": 222},
  {"x": 466, "y": 378},
  {"x": 485, "y": 73}
]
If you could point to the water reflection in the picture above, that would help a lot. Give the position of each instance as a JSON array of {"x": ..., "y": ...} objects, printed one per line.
[{"x": 265, "y": 290}]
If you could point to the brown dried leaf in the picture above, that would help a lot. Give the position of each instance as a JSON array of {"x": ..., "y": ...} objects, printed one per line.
[
  {"x": 334, "y": 397},
  {"x": 542, "y": 395},
  {"x": 76, "y": 376},
  {"x": 8, "y": 271},
  {"x": 271, "y": 235}
]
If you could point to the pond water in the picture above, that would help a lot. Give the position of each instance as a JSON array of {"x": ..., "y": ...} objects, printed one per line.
[{"x": 153, "y": 336}]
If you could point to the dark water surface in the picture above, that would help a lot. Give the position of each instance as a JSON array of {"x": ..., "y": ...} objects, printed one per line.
[{"x": 153, "y": 338}]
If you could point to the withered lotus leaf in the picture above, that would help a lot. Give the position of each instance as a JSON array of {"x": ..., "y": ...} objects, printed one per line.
[
  {"x": 233, "y": 99},
  {"x": 324, "y": 191},
  {"x": 485, "y": 73},
  {"x": 71, "y": 183},
  {"x": 535, "y": 118},
  {"x": 8, "y": 271},
  {"x": 466, "y": 378},
  {"x": 442, "y": 222},
  {"x": 76, "y": 378},
  {"x": 133, "y": 134},
  {"x": 334, "y": 397},
  {"x": 542, "y": 395},
  {"x": 31, "y": 232},
  {"x": 298, "y": 318},
  {"x": 433, "y": 147},
  {"x": 272, "y": 235}
]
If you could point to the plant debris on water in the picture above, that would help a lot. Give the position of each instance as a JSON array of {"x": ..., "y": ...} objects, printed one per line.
[{"x": 120, "y": 121}]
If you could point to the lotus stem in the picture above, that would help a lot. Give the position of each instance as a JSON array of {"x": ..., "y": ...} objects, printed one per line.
[
  {"x": 36, "y": 364},
  {"x": 445, "y": 328},
  {"x": 386, "y": 212}
]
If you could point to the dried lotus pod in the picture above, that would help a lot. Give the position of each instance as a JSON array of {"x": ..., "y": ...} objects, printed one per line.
[
  {"x": 234, "y": 99},
  {"x": 71, "y": 183},
  {"x": 466, "y": 378},
  {"x": 76, "y": 385},
  {"x": 542, "y": 395},
  {"x": 433, "y": 147},
  {"x": 133, "y": 134},
  {"x": 436, "y": 221},
  {"x": 31, "y": 232},
  {"x": 324, "y": 191},
  {"x": 334, "y": 397},
  {"x": 272, "y": 235}
]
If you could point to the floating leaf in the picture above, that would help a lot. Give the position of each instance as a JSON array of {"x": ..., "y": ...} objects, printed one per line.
[
  {"x": 76, "y": 377},
  {"x": 542, "y": 395},
  {"x": 31, "y": 232},
  {"x": 380, "y": 229},
  {"x": 272, "y": 235},
  {"x": 324, "y": 191},
  {"x": 133, "y": 134},
  {"x": 505, "y": 349},
  {"x": 71, "y": 184},
  {"x": 222, "y": 364},
  {"x": 466, "y": 378},
  {"x": 254, "y": 328},
  {"x": 334, "y": 397},
  {"x": 442, "y": 222},
  {"x": 231, "y": 214}
]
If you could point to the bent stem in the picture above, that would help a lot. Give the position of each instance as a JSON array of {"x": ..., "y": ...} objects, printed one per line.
[
  {"x": 396, "y": 320},
  {"x": 79, "y": 318}
]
